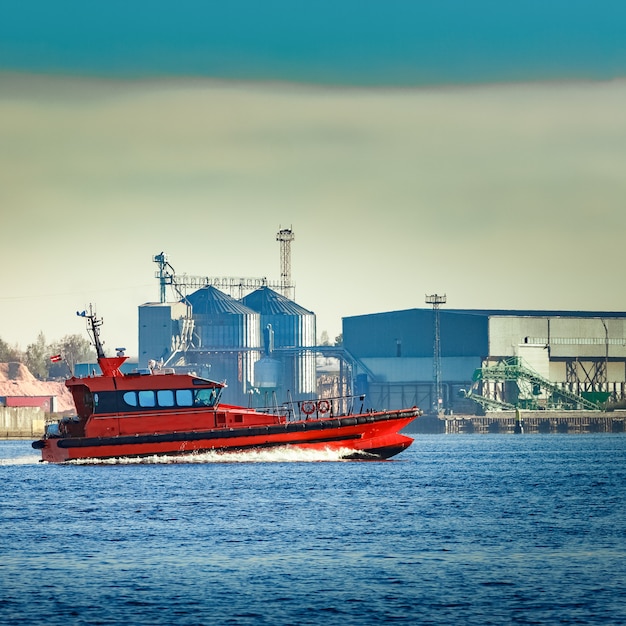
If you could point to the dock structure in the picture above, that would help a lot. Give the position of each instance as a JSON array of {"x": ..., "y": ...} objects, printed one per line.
[
  {"x": 22, "y": 422},
  {"x": 537, "y": 422}
]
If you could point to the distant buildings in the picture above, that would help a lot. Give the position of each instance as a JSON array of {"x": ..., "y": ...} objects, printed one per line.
[
  {"x": 264, "y": 347},
  {"x": 583, "y": 353}
]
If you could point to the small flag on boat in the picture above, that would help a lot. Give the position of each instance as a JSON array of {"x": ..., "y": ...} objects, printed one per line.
[{"x": 56, "y": 358}]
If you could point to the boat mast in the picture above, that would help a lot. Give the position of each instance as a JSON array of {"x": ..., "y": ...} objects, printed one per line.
[{"x": 93, "y": 328}]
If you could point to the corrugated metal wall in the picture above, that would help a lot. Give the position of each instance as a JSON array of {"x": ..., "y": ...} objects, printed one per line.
[
  {"x": 158, "y": 328},
  {"x": 295, "y": 331},
  {"x": 411, "y": 369},
  {"x": 410, "y": 333},
  {"x": 228, "y": 330}
]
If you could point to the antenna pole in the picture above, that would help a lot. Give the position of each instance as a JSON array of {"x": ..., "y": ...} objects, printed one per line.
[{"x": 93, "y": 327}]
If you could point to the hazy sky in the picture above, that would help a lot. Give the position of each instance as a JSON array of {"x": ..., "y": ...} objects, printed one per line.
[
  {"x": 501, "y": 195},
  {"x": 367, "y": 42}
]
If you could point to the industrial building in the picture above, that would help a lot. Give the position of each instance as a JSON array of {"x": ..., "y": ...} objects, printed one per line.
[
  {"x": 263, "y": 345},
  {"x": 446, "y": 361},
  {"x": 489, "y": 359}
]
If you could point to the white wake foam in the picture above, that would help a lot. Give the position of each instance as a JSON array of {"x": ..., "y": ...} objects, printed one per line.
[
  {"x": 22, "y": 460},
  {"x": 286, "y": 454}
]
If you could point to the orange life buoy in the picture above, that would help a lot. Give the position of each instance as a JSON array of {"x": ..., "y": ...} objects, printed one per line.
[
  {"x": 323, "y": 406},
  {"x": 308, "y": 407}
]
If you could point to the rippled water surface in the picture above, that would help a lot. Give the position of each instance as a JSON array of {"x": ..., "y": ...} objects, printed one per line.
[{"x": 485, "y": 529}]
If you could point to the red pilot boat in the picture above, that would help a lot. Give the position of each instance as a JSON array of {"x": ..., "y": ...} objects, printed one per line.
[{"x": 159, "y": 412}]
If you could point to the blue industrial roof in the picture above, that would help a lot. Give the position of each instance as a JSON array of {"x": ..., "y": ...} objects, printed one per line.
[
  {"x": 266, "y": 301},
  {"x": 505, "y": 312},
  {"x": 534, "y": 313}
]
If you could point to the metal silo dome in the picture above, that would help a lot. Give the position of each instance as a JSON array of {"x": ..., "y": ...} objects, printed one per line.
[
  {"x": 293, "y": 325},
  {"x": 223, "y": 322}
]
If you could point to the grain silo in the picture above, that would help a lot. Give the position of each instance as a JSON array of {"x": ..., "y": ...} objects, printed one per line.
[
  {"x": 291, "y": 329},
  {"x": 227, "y": 339}
]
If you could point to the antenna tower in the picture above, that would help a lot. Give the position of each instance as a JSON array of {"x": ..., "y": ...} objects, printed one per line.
[
  {"x": 436, "y": 300},
  {"x": 285, "y": 236}
]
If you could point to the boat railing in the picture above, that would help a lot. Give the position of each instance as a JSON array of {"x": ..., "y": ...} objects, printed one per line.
[{"x": 318, "y": 408}]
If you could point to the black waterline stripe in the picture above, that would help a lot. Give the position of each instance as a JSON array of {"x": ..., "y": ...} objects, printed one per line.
[{"x": 265, "y": 444}]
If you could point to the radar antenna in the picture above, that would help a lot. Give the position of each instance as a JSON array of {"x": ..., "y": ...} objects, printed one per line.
[{"x": 93, "y": 327}]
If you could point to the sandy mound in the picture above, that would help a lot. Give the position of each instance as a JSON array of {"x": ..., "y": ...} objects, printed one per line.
[
  {"x": 16, "y": 380},
  {"x": 15, "y": 371}
]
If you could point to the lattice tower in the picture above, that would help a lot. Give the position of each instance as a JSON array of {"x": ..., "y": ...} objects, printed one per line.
[
  {"x": 437, "y": 300},
  {"x": 285, "y": 236}
]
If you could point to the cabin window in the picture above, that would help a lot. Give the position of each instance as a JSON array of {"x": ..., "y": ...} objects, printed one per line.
[
  {"x": 105, "y": 402},
  {"x": 184, "y": 397},
  {"x": 130, "y": 398},
  {"x": 165, "y": 397},
  {"x": 205, "y": 397},
  {"x": 146, "y": 398}
]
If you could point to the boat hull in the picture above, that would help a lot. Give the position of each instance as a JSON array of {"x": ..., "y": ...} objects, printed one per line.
[{"x": 372, "y": 435}]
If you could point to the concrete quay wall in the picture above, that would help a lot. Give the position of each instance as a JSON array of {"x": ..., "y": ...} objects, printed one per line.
[
  {"x": 544, "y": 422},
  {"x": 30, "y": 422},
  {"x": 22, "y": 422}
]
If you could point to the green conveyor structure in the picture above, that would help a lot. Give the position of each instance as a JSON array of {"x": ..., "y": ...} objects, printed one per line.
[
  {"x": 513, "y": 370},
  {"x": 489, "y": 404}
]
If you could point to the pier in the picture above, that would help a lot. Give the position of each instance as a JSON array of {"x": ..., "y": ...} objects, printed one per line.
[
  {"x": 543, "y": 422},
  {"x": 22, "y": 422}
]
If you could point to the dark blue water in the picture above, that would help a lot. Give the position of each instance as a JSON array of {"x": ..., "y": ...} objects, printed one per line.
[{"x": 482, "y": 529}]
